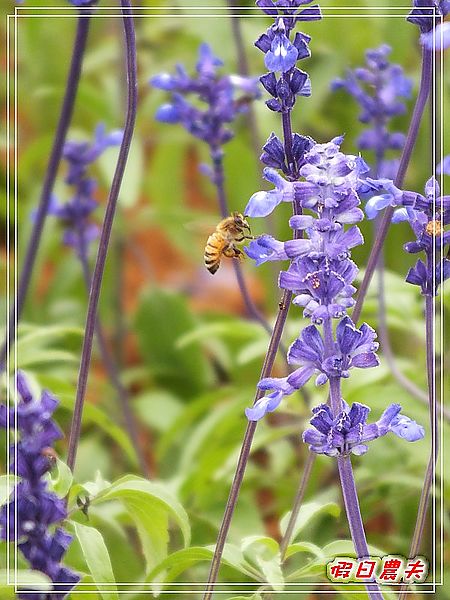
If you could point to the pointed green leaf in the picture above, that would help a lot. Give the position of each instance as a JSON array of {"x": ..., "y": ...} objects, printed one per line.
[{"x": 97, "y": 559}]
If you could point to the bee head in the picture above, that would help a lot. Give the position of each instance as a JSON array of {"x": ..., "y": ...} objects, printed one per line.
[{"x": 240, "y": 221}]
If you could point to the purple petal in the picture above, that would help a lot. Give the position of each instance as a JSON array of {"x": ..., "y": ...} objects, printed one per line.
[
  {"x": 365, "y": 360},
  {"x": 407, "y": 429}
]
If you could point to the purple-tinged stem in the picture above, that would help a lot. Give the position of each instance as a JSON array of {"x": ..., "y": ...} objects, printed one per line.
[
  {"x": 225, "y": 212},
  {"x": 106, "y": 232},
  {"x": 246, "y": 446},
  {"x": 113, "y": 374},
  {"x": 431, "y": 467},
  {"x": 350, "y": 495},
  {"x": 266, "y": 371},
  {"x": 411, "y": 138},
  {"x": 65, "y": 117}
]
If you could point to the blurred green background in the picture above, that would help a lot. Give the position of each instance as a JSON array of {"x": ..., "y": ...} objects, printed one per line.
[{"x": 188, "y": 354}]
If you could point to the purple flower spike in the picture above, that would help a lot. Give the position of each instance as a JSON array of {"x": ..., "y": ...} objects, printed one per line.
[
  {"x": 217, "y": 100},
  {"x": 76, "y": 213},
  {"x": 37, "y": 507},
  {"x": 348, "y": 432}
]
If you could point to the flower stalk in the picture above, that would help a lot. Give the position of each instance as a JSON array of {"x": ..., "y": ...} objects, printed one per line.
[
  {"x": 113, "y": 374},
  {"x": 65, "y": 117},
  {"x": 97, "y": 276}
]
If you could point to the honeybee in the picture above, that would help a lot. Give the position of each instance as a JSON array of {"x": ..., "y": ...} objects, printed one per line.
[{"x": 229, "y": 232}]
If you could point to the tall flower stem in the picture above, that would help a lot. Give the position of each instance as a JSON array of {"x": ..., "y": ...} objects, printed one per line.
[
  {"x": 350, "y": 495},
  {"x": 434, "y": 450},
  {"x": 113, "y": 374},
  {"x": 266, "y": 371},
  {"x": 97, "y": 277},
  {"x": 411, "y": 138},
  {"x": 246, "y": 446},
  {"x": 65, "y": 117}
]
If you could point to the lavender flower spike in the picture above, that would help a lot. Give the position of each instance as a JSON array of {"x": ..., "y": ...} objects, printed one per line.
[
  {"x": 38, "y": 509},
  {"x": 380, "y": 89},
  {"x": 75, "y": 215}
]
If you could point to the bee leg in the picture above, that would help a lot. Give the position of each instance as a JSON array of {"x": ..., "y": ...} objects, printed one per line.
[
  {"x": 230, "y": 252},
  {"x": 238, "y": 254}
]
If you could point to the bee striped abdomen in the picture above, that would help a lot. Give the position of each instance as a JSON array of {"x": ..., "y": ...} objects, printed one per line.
[{"x": 213, "y": 252}]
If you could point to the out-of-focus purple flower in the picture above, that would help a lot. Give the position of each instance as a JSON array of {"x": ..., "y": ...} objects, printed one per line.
[
  {"x": 426, "y": 13},
  {"x": 437, "y": 39},
  {"x": 83, "y": 2},
  {"x": 79, "y": 155},
  {"x": 380, "y": 89},
  {"x": 348, "y": 432},
  {"x": 444, "y": 166},
  {"x": 38, "y": 509},
  {"x": 75, "y": 214},
  {"x": 220, "y": 99}
]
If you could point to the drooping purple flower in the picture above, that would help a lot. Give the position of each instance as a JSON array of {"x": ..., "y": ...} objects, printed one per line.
[
  {"x": 348, "y": 433},
  {"x": 264, "y": 249},
  {"x": 38, "y": 509},
  {"x": 263, "y": 203},
  {"x": 217, "y": 100}
]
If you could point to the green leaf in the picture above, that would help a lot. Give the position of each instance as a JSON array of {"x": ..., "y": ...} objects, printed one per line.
[
  {"x": 162, "y": 319},
  {"x": 61, "y": 478},
  {"x": 97, "y": 559},
  {"x": 150, "y": 505},
  {"x": 265, "y": 552},
  {"x": 306, "y": 547},
  {"x": 307, "y": 513},
  {"x": 158, "y": 409},
  {"x": 180, "y": 561},
  {"x": 7, "y": 483}
]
